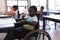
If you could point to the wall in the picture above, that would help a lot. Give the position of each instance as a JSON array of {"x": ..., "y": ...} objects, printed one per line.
[{"x": 2, "y": 5}]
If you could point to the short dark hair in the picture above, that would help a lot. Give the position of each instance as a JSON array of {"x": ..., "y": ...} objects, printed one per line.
[
  {"x": 42, "y": 7},
  {"x": 33, "y": 7},
  {"x": 15, "y": 7}
]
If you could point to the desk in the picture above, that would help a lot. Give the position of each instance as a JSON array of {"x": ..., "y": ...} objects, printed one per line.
[
  {"x": 55, "y": 18},
  {"x": 54, "y": 12},
  {"x": 7, "y": 25},
  {"x": 5, "y": 16}
]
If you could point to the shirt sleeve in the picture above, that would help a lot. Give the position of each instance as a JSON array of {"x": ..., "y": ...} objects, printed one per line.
[{"x": 35, "y": 18}]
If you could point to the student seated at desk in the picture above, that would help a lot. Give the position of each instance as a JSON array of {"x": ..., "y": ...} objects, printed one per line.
[
  {"x": 41, "y": 12},
  {"x": 13, "y": 11},
  {"x": 29, "y": 20}
]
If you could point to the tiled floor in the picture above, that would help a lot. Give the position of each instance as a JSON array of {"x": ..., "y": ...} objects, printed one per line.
[{"x": 55, "y": 34}]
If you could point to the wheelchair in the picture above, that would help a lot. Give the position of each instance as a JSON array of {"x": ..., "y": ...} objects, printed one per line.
[{"x": 35, "y": 34}]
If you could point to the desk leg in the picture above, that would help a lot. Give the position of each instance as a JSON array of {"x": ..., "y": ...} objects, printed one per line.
[
  {"x": 55, "y": 25},
  {"x": 43, "y": 26}
]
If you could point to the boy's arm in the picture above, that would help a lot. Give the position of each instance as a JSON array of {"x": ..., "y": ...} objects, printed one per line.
[{"x": 31, "y": 23}]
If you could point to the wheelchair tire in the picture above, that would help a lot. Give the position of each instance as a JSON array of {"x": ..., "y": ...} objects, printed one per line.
[{"x": 41, "y": 32}]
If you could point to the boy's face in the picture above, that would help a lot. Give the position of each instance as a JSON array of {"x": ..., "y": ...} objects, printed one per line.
[
  {"x": 42, "y": 8},
  {"x": 32, "y": 12}
]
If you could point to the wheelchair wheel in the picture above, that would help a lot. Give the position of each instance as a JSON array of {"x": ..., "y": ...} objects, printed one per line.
[{"x": 37, "y": 35}]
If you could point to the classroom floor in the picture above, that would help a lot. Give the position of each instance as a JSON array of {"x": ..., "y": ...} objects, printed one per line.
[{"x": 55, "y": 34}]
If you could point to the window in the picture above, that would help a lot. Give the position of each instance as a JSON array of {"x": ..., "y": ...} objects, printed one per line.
[
  {"x": 43, "y": 3},
  {"x": 51, "y": 4},
  {"x": 39, "y": 3},
  {"x": 54, "y": 4},
  {"x": 21, "y": 9},
  {"x": 11, "y": 3},
  {"x": 48, "y": 4},
  {"x": 34, "y": 2},
  {"x": 21, "y": 4},
  {"x": 57, "y": 4}
]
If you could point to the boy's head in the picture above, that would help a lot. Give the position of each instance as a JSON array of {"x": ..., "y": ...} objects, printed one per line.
[
  {"x": 15, "y": 7},
  {"x": 32, "y": 10},
  {"x": 42, "y": 7}
]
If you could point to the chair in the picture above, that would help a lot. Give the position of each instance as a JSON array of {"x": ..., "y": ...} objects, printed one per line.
[
  {"x": 27, "y": 35},
  {"x": 20, "y": 34},
  {"x": 42, "y": 35}
]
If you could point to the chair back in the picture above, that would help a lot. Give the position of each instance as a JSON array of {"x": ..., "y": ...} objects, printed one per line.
[
  {"x": 18, "y": 14},
  {"x": 37, "y": 25}
]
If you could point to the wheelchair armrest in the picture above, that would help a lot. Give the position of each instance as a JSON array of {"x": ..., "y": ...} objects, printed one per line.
[
  {"x": 18, "y": 19},
  {"x": 18, "y": 24}
]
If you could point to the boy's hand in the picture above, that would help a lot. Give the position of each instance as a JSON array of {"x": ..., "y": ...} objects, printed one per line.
[{"x": 23, "y": 21}]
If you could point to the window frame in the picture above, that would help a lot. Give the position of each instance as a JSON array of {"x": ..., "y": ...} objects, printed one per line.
[{"x": 17, "y": 3}]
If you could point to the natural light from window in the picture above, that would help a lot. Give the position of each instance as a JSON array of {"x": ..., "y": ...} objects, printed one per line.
[
  {"x": 52, "y": 4},
  {"x": 21, "y": 4}
]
